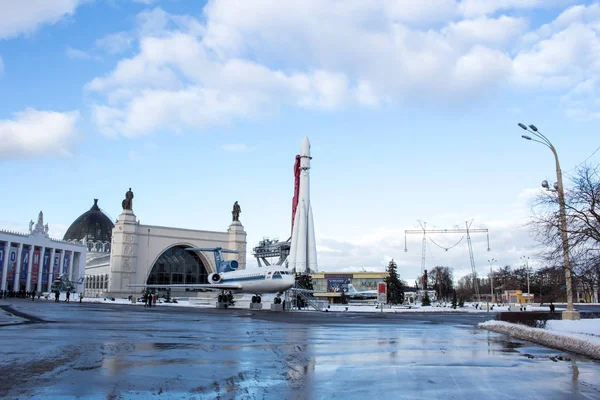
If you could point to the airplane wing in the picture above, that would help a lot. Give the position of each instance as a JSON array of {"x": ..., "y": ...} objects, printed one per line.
[
  {"x": 217, "y": 286},
  {"x": 293, "y": 289}
]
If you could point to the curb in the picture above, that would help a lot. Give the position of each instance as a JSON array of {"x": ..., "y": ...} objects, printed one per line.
[{"x": 545, "y": 338}]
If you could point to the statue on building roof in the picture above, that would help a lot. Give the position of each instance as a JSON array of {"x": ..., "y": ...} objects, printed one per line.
[
  {"x": 236, "y": 211},
  {"x": 30, "y": 225},
  {"x": 46, "y": 229},
  {"x": 128, "y": 202}
]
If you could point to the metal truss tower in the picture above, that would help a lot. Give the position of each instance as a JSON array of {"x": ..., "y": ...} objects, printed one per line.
[{"x": 466, "y": 231}]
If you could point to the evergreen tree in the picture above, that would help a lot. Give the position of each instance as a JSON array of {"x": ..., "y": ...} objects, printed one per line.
[
  {"x": 461, "y": 303},
  {"x": 303, "y": 281},
  {"x": 168, "y": 296},
  {"x": 395, "y": 290},
  {"x": 454, "y": 300},
  {"x": 426, "y": 301}
]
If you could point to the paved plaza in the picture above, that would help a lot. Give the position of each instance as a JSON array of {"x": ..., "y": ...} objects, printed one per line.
[{"x": 97, "y": 351}]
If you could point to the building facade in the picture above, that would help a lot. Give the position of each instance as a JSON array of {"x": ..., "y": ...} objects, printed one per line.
[
  {"x": 128, "y": 253},
  {"x": 33, "y": 261}
]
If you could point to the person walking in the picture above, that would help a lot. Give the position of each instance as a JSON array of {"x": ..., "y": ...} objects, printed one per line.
[
  {"x": 68, "y": 295},
  {"x": 80, "y": 297}
]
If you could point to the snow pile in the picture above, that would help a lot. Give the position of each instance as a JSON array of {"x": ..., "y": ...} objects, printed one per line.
[{"x": 574, "y": 342}]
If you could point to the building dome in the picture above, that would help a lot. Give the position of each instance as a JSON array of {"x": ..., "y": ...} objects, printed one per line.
[{"x": 93, "y": 225}]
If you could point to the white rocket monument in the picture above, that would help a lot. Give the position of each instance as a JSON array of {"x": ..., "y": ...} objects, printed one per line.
[{"x": 303, "y": 250}]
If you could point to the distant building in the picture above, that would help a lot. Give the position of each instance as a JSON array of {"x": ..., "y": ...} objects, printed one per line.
[
  {"x": 33, "y": 261},
  {"x": 517, "y": 297},
  {"x": 334, "y": 283}
]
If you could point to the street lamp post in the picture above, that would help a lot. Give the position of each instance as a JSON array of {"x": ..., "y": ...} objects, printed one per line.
[
  {"x": 492, "y": 261},
  {"x": 570, "y": 313},
  {"x": 526, "y": 259}
]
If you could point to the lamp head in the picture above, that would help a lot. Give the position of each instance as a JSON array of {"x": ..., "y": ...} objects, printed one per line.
[
  {"x": 523, "y": 126},
  {"x": 533, "y": 128},
  {"x": 545, "y": 184},
  {"x": 555, "y": 185},
  {"x": 526, "y": 137}
]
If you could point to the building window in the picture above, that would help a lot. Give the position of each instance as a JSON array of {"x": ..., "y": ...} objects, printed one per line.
[{"x": 178, "y": 266}]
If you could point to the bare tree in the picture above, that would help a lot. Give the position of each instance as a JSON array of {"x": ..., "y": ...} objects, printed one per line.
[
  {"x": 440, "y": 279},
  {"x": 582, "y": 208}
]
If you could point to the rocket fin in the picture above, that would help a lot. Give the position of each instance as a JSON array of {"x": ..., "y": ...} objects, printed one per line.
[{"x": 294, "y": 244}]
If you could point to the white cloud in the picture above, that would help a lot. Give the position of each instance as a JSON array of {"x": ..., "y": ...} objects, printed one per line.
[
  {"x": 583, "y": 101},
  {"x": 37, "y": 133},
  {"x": 145, "y": 1},
  {"x": 472, "y": 8},
  {"x": 115, "y": 43},
  {"x": 1, "y": 66},
  {"x": 77, "y": 54},
  {"x": 247, "y": 59},
  {"x": 483, "y": 30},
  {"x": 26, "y": 16},
  {"x": 563, "y": 53},
  {"x": 237, "y": 148}
]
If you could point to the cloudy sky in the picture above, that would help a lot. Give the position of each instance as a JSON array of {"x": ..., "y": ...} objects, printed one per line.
[{"x": 411, "y": 108}]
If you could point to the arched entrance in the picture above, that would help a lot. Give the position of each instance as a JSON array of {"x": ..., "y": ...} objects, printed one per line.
[{"x": 178, "y": 266}]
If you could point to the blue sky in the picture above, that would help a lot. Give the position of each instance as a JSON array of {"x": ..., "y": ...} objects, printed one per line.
[{"x": 411, "y": 109}]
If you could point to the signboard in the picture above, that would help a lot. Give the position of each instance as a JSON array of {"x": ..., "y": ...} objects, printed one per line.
[
  {"x": 46, "y": 267},
  {"x": 12, "y": 267},
  {"x": 338, "y": 285},
  {"x": 1, "y": 259},
  {"x": 24, "y": 265},
  {"x": 382, "y": 292},
  {"x": 35, "y": 268},
  {"x": 55, "y": 265},
  {"x": 65, "y": 267}
]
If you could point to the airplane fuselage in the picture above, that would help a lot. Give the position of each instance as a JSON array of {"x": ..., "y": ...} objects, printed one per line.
[{"x": 258, "y": 282}]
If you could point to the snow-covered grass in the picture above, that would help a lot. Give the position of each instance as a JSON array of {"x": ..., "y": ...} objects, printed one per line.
[{"x": 575, "y": 336}]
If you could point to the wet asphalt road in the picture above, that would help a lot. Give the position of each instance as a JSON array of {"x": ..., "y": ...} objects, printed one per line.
[{"x": 97, "y": 351}]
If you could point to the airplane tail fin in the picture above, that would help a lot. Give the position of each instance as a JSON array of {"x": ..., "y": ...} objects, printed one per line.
[{"x": 351, "y": 289}]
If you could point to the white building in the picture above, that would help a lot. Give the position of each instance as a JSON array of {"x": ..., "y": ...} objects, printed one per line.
[
  {"x": 32, "y": 261},
  {"x": 131, "y": 253}
]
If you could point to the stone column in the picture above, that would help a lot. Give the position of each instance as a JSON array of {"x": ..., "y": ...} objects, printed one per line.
[
  {"x": 5, "y": 258},
  {"x": 61, "y": 262},
  {"x": 16, "y": 283},
  {"x": 123, "y": 255},
  {"x": 39, "y": 282},
  {"x": 70, "y": 265},
  {"x": 237, "y": 241},
  {"x": 29, "y": 266},
  {"x": 51, "y": 269},
  {"x": 80, "y": 269}
]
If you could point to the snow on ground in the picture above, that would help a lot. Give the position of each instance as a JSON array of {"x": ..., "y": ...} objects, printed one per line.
[
  {"x": 564, "y": 335},
  {"x": 589, "y": 327}
]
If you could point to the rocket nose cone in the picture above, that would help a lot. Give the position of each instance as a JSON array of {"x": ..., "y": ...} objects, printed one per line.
[{"x": 305, "y": 146}]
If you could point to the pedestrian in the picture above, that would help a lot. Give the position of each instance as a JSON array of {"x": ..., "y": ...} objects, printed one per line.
[
  {"x": 551, "y": 308},
  {"x": 80, "y": 297},
  {"x": 33, "y": 295},
  {"x": 68, "y": 295}
]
